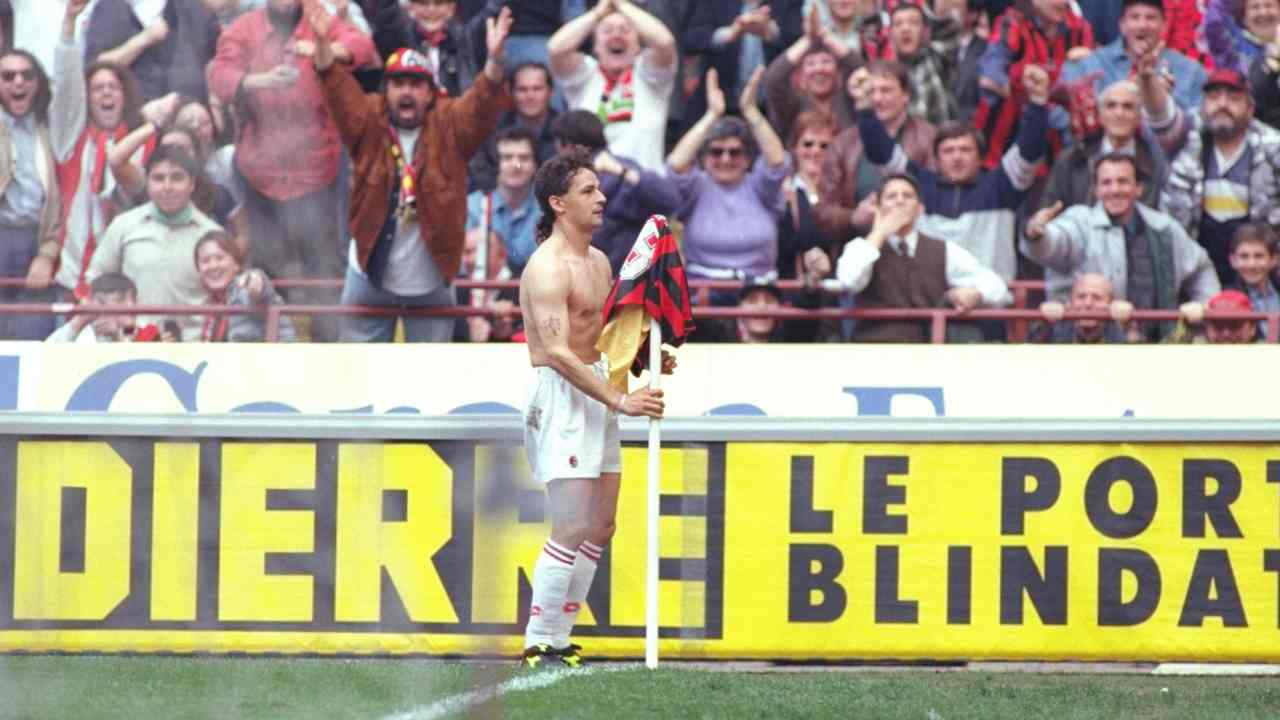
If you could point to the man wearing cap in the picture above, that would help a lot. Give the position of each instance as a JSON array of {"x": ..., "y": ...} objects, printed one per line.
[
  {"x": 1142, "y": 25},
  {"x": 761, "y": 293},
  {"x": 410, "y": 148},
  {"x": 1226, "y": 164},
  {"x": 1220, "y": 331},
  {"x": 288, "y": 149}
]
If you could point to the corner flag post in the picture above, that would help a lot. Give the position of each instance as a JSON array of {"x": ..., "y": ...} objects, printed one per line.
[{"x": 654, "y": 490}]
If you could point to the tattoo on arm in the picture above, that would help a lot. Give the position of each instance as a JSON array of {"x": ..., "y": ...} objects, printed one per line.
[{"x": 551, "y": 326}]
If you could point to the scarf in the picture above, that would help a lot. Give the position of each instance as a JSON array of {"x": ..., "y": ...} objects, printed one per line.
[
  {"x": 617, "y": 100},
  {"x": 182, "y": 217},
  {"x": 69, "y": 183},
  {"x": 215, "y": 326},
  {"x": 434, "y": 38},
  {"x": 408, "y": 176}
]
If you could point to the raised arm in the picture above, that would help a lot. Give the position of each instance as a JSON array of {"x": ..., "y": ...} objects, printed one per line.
[
  {"x": 685, "y": 152},
  {"x": 562, "y": 47},
  {"x": 1020, "y": 162},
  {"x": 546, "y": 302},
  {"x": 771, "y": 147},
  {"x": 68, "y": 111},
  {"x": 657, "y": 40},
  {"x": 128, "y": 51}
]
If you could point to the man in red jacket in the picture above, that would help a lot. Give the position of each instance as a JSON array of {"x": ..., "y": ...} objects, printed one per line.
[{"x": 410, "y": 148}]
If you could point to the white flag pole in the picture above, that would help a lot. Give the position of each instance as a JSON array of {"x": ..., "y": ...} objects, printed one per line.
[{"x": 655, "y": 479}]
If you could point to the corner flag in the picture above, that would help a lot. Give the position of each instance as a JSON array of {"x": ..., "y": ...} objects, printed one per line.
[{"x": 651, "y": 284}]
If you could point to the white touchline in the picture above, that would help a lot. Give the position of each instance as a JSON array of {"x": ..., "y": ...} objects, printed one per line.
[{"x": 458, "y": 703}]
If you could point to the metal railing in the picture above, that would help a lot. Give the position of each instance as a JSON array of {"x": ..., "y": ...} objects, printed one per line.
[{"x": 938, "y": 318}]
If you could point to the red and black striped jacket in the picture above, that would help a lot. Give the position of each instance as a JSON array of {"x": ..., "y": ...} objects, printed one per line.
[{"x": 1024, "y": 42}]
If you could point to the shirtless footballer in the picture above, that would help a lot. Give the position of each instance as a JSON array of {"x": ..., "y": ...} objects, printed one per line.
[{"x": 571, "y": 415}]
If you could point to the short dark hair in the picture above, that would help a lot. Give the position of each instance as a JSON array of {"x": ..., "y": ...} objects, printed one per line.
[
  {"x": 530, "y": 65},
  {"x": 1252, "y": 232},
  {"x": 113, "y": 282},
  {"x": 516, "y": 133},
  {"x": 579, "y": 127},
  {"x": 1159, "y": 6},
  {"x": 952, "y": 129},
  {"x": 908, "y": 5},
  {"x": 553, "y": 180},
  {"x": 1120, "y": 158},
  {"x": 907, "y": 178},
  {"x": 176, "y": 155},
  {"x": 895, "y": 70}
]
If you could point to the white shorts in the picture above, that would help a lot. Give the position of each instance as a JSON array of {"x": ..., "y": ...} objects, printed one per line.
[{"x": 568, "y": 434}]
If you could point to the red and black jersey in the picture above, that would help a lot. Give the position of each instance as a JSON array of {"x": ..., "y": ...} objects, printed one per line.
[{"x": 1026, "y": 44}]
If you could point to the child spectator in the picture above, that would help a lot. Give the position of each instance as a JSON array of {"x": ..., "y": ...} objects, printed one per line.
[
  {"x": 1252, "y": 254},
  {"x": 109, "y": 289},
  {"x": 220, "y": 264}
]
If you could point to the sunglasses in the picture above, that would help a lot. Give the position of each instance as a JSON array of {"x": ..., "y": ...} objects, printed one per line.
[
  {"x": 9, "y": 75},
  {"x": 809, "y": 144},
  {"x": 733, "y": 152}
]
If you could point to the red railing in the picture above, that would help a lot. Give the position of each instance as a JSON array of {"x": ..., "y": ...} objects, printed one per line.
[{"x": 936, "y": 317}]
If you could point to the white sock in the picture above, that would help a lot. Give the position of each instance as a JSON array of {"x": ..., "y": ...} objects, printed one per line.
[
  {"x": 551, "y": 577},
  {"x": 584, "y": 571}
]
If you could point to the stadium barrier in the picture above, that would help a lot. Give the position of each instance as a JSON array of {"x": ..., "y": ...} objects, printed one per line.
[{"x": 794, "y": 539}]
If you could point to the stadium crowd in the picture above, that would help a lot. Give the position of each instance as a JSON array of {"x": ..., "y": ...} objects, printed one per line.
[{"x": 881, "y": 153}]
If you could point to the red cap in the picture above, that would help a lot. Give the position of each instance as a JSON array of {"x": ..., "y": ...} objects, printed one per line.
[
  {"x": 407, "y": 61},
  {"x": 1226, "y": 77},
  {"x": 1230, "y": 300}
]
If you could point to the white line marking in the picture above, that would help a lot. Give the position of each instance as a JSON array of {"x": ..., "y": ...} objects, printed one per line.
[
  {"x": 1215, "y": 669},
  {"x": 458, "y": 703}
]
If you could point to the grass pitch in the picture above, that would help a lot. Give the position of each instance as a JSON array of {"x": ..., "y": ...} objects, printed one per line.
[{"x": 148, "y": 688}]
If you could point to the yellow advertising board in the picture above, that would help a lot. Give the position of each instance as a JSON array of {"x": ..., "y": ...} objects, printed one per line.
[{"x": 769, "y": 550}]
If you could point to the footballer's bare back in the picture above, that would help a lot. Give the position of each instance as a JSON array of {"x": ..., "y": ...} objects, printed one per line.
[{"x": 562, "y": 295}]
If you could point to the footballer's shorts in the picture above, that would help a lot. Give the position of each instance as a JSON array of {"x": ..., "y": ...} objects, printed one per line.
[{"x": 568, "y": 434}]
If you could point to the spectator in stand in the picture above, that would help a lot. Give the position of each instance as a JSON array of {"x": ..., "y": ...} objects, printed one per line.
[
  {"x": 209, "y": 197},
  {"x": 824, "y": 64},
  {"x": 1142, "y": 25},
  {"x": 409, "y": 212},
  {"x": 1121, "y": 130},
  {"x": 503, "y": 323},
  {"x": 1226, "y": 164},
  {"x": 845, "y": 19},
  {"x": 1029, "y": 33},
  {"x": 220, "y": 264},
  {"x": 510, "y": 210},
  {"x": 1089, "y": 291},
  {"x": 930, "y": 62},
  {"x": 848, "y": 183},
  {"x": 166, "y": 43},
  {"x": 1238, "y": 32},
  {"x": 970, "y": 47},
  {"x": 429, "y": 26},
  {"x": 734, "y": 37},
  {"x": 530, "y": 90},
  {"x": 966, "y": 205},
  {"x": 898, "y": 266},
  {"x": 1255, "y": 252},
  {"x": 1225, "y": 331},
  {"x": 1264, "y": 83},
  {"x": 153, "y": 244},
  {"x": 212, "y": 132},
  {"x": 756, "y": 294},
  {"x": 629, "y": 89},
  {"x": 1147, "y": 256},
  {"x": 30, "y": 204},
  {"x": 109, "y": 289},
  {"x": 733, "y": 201},
  {"x": 289, "y": 149},
  {"x": 810, "y": 145},
  {"x": 632, "y": 193},
  {"x": 91, "y": 112}
]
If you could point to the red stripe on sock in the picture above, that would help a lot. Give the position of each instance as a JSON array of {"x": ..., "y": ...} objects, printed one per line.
[
  {"x": 555, "y": 553},
  {"x": 592, "y": 551}
]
